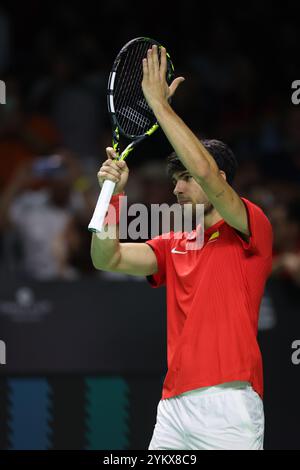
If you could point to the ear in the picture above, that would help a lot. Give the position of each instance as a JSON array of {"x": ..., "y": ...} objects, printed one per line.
[{"x": 223, "y": 174}]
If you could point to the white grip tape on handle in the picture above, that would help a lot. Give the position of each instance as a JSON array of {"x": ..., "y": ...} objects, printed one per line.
[{"x": 96, "y": 223}]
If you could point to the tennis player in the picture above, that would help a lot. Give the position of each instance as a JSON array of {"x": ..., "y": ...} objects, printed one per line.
[{"x": 213, "y": 390}]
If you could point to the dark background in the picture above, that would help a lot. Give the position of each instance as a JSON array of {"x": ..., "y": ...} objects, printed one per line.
[{"x": 85, "y": 349}]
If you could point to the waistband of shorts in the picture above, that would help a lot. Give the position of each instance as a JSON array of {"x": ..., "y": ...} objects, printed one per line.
[{"x": 236, "y": 385}]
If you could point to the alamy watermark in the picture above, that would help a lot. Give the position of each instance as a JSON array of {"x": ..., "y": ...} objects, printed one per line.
[
  {"x": 296, "y": 353},
  {"x": 2, "y": 353},
  {"x": 148, "y": 222},
  {"x": 2, "y": 92},
  {"x": 296, "y": 93}
]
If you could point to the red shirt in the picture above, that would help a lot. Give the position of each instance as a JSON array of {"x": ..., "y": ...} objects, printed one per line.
[{"x": 213, "y": 300}]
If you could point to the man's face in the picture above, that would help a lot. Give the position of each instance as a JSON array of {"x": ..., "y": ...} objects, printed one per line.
[{"x": 188, "y": 191}]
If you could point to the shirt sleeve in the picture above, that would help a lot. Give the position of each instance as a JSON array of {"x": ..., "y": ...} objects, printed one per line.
[
  {"x": 158, "y": 245},
  {"x": 261, "y": 234}
]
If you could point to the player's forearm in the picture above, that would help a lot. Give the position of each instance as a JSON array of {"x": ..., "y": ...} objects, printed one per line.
[
  {"x": 105, "y": 253},
  {"x": 187, "y": 146}
]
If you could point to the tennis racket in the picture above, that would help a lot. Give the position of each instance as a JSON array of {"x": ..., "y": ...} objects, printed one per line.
[{"x": 129, "y": 112}]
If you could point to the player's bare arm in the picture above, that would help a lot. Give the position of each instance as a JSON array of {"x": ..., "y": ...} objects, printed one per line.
[
  {"x": 108, "y": 254},
  {"x": 196, "y": 159}
]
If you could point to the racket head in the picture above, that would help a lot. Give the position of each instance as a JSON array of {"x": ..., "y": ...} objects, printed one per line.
[{"x": 129, "y": 112}]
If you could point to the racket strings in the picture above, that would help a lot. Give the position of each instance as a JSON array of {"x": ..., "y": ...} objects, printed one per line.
[
  {"x": 135, "y": 122},
  {"x": 138, "y": 96},
  {"x": 125, "y": 76},
  {"x": 124, "y": 81},
  {"x": 134, "y": 114},
  {"x": 120, "y": 84}
]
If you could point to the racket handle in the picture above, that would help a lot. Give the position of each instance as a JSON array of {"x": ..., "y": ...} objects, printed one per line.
[{"x": 97, "y": 221}]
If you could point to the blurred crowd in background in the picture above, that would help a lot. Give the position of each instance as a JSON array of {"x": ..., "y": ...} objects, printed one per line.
[{"x": 239, "y": 65}]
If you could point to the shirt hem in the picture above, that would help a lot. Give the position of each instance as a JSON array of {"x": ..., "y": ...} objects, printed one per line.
[{"x": 199, "y": 384}]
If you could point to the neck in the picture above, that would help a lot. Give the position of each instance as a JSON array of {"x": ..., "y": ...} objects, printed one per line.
[{"x": 211, "y": 218}]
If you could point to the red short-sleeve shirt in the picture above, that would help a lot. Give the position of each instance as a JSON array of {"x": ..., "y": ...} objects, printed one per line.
[{"x": 213, "y": 299}]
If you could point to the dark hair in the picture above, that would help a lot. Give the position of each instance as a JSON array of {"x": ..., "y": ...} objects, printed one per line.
[{"x": 223, "y": 156}]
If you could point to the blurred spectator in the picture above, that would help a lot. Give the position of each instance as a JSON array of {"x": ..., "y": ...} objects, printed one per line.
[
  {"x": 156, "y": 187},
  {"x": 72, "y": 246},
  {"x": 286, "y": 225},
  {"x": 72, "y": 98},
  {"x": 22, "y": 135},
  {"x": 39, "y": 204}
]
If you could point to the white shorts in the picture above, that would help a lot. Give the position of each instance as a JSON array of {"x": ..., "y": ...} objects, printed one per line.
[{"x": 226, "y": 416}]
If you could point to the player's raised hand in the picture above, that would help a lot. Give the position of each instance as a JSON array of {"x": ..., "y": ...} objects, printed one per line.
[{"x": 154, "y": 84}]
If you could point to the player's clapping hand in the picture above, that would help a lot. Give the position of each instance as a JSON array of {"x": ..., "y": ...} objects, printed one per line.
[
  {"x": 154, "y": 84},
  {"x": 113, "y": 170}
]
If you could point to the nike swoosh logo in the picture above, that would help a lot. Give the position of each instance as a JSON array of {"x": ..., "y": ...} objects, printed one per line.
[{"x": 178, "y": 252}]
